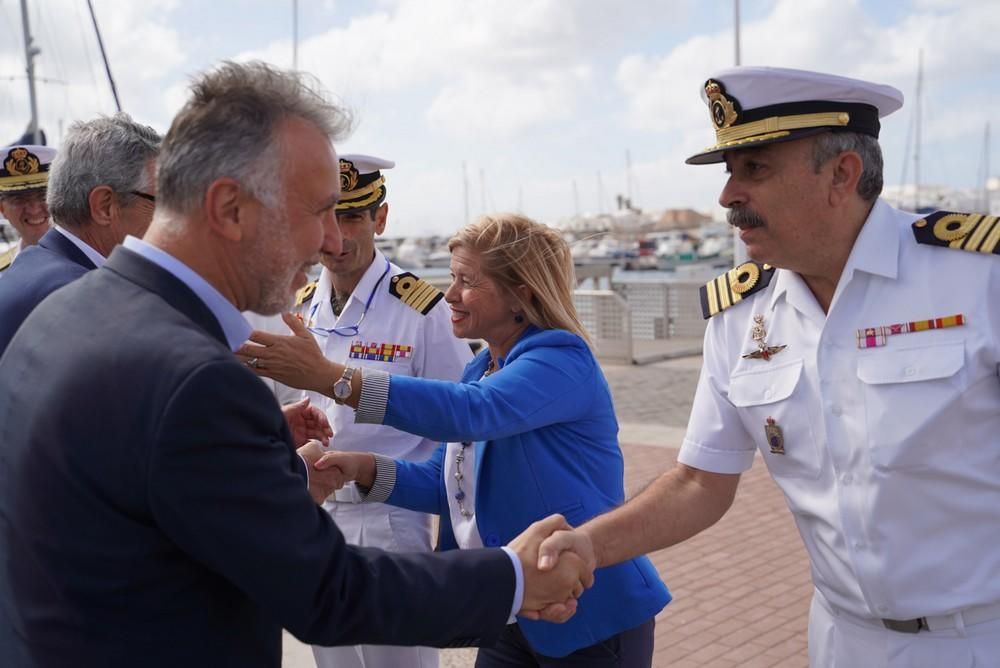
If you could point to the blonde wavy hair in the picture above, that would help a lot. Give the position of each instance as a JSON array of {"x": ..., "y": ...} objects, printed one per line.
[{"x": 516, "y": 251}]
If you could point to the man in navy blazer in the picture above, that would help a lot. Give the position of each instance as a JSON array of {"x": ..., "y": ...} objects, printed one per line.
[
  {"x": 153, "y": 510},
  {"x": 101, "y": 187}
]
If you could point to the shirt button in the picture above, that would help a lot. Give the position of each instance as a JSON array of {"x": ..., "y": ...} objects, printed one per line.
[
  {"x": 847, "y": 479},
  {"x": 883, "y": 609},
  {"x": 859, "y": 545},
  {"x": 492, "y": 540},
  {"x": 767, "y": 393},
  {"x": 837, "y": 410},
  {"x": 909, "y": 371}
]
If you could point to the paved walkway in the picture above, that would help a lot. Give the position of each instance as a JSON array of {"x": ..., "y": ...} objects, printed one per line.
[{"x": 741, "y": 589}]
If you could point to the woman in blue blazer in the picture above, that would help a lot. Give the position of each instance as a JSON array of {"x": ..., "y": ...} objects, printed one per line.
[{"x": 529, "y": 431}]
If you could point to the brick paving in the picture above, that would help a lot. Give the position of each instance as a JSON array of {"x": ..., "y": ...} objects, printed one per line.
[{"x": 742, "y": 588}]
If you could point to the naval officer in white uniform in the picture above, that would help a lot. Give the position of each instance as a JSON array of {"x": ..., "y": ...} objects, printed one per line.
[
  {"x": 859, "y": 355},
  {"x": 366, "y": 312}
]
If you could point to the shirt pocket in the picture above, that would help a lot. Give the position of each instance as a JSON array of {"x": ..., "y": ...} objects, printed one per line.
[
  {"x": 910, "y": 397},
  {"x": 768, "y": 393}
]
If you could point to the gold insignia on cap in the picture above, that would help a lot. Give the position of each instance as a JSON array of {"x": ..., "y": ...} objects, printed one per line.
[
  {"x": 21, "y": 162},
  {"x": 415, "y": 292},
  {"x": 725, "y": 111},
  {"x": 348, "y": 176},
  {"x": 973, "y": 232}
]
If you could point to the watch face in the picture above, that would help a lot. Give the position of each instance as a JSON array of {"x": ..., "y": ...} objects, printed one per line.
[{"x": 342, "y": 389}]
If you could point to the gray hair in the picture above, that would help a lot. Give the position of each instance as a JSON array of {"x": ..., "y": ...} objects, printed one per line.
[
  {"x": 227, "y": 129},
  {"x": 108, "y": 151},
  {"x": 828, "y": 145}
]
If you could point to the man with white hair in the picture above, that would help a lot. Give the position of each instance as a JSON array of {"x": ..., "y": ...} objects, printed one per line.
[
  {"x": 153, "y": 508},
  {"x": 101, "y": 188},
  {"x": 858, "y": 354}
]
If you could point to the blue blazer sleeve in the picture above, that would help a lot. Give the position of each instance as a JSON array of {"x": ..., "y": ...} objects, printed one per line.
[
  {"x": 418, "y": 484},
  {"x": 545, "y": 381}
]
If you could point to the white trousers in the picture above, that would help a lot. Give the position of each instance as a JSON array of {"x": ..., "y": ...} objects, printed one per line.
[
  {"x": 839, "y": 641},
  {"x": 395, "y": 530}
]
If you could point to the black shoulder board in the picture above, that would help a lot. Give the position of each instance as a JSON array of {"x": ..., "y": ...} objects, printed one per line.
[
  {"x": 305, "y": 293},
  {"x": 974, "y": 232},
  {"x": 415, "y": 292},
  {"x": 733, "y": 286}
]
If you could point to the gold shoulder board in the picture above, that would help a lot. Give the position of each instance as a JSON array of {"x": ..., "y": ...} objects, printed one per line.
[
  {"x": 733, "y": 286},
  {"x": 973, "y": 232},
  {"x": 305, "y": 294},
  {"x": 6, "y": 258},
  {"x": 415, "y": 292}
]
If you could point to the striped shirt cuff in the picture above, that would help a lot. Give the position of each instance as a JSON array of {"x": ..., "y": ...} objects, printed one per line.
[
  {"x": 385, "y": 480},
  {"x": 374, "y": 397}
]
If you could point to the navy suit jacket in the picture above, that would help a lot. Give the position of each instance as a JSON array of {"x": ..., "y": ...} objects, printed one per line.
[
  {"x": 153, "y": 510},
  {"x": 36, "y": 273}
]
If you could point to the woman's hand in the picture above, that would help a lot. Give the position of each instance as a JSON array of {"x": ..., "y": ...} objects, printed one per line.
[
  {"x": 307, "y": 422},
  {"x": 294, "y": 360},
  {"x": 357, "y": 466}
]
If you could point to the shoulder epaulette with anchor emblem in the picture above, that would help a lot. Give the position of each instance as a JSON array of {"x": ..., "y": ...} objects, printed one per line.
[
  {"x": 415, "y": 292},
  {"x": 6, "y": 259},
  {"x": 974, "y": 232},
  {"x": 305, "y": 293},
  {"x": 733, "y": 286}
]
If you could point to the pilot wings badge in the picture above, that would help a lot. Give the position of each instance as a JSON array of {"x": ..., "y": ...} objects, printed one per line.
[{"x": 764, "y": 351}]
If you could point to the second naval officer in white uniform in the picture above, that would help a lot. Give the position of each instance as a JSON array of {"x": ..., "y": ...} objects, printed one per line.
[{"x": 366, "y": 312}]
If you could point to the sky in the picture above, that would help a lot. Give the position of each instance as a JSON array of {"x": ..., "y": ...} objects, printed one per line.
[{"x": 548, "y": 107}]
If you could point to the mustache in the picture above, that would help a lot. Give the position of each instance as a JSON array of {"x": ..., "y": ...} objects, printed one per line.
[{"x": 742, "y": 217}]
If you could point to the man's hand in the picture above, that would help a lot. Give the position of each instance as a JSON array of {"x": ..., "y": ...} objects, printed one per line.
[
  {"x": 321, "y": 483},
  {"x": 307, "y": 422},
  {"x": 295, "y": 360},
  {"x": 575, "y": 541},
  {"x": 550, "y": 595},
  {"x": 357, "y": 466}
]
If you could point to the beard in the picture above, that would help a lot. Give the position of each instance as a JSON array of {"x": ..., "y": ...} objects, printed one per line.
[
  {"x": 271, "y": 260},
  {"x": 744, "y": 218}
]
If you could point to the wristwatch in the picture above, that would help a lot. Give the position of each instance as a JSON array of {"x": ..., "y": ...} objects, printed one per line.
[{"x": 342, "y": 388}]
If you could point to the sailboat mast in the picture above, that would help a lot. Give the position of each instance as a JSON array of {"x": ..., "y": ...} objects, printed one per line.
[
  {"x": 30, "y": 51},
  {"x": 104, "y": 56},
  {"x": 916, "y": 130}
]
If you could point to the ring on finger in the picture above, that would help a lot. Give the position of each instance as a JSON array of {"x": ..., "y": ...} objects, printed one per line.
[{"x": 253, "y": 362}]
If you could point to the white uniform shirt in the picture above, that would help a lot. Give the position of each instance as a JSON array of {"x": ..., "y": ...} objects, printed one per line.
[
  {"x": 892, "y": 453},
  {"x": 434, "y": 352}
]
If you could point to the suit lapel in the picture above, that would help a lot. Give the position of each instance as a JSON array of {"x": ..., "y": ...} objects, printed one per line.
[
  {"x": 54, "y": 241},
  {"x": 149, "y": 276}
]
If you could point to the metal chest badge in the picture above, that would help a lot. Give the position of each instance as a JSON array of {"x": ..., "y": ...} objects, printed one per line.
[
  {"x": 764, "y": 351},
  {"x": 772, "y": 432}
]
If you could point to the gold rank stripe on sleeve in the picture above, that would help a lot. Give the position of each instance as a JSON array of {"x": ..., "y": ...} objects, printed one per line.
[
  {"x": 416, "y": 293},
  {"x": 973, "y": 232},
  {"x": 733, "y": 286}
]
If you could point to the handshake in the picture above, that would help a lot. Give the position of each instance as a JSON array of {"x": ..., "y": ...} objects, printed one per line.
[{"x": 557, "y": 561}]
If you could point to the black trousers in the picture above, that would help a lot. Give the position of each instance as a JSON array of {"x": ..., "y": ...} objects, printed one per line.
[{"x": 632, "y": 648}]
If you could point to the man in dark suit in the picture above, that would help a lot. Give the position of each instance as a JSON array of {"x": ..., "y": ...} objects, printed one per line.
[
  {"x": 102, "y": 187},
  {"x": 152, "y": 508}
]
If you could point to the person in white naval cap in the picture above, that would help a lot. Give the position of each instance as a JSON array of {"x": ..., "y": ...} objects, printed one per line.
[
  {"x": 858, "y": 354},
  {"x": 358, "y": 315},
  {"x": 24, "y": 176}
]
